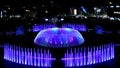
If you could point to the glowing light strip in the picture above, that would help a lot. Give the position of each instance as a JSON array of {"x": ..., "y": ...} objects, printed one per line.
[
  {"x": 37, "y": 28},
  {"x": 82, "y": 57},
  {"x": 80, "y": 27},
  {"x": 83, "y": 9},
  {"x": 116, "y": 12},
  {"x": 28, "y": 56}
]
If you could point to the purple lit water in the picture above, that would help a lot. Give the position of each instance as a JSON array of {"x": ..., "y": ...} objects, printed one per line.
[
  {"x": 93, "y": 55},
  {"x": 28, "y": 56}
]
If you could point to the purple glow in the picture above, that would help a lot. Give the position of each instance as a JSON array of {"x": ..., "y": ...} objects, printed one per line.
[
  {"x": 84, "y": 56},
  {"x": 64, "y": 37},
  {"x": 93, "y": 55},
  {"x": 10, "y": 33},
  {"x": 118, "y": 31},
  {"x": 79, "y": 27},
  {"x": 37, "y": 28},
  {"x": 27, "y": 56}
]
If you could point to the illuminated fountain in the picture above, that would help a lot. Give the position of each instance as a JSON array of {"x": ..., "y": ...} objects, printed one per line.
[
  {"x": 28, "y": 56},
  {"x": 58, "y": 37},
  {"x": 93, "y": 55}
]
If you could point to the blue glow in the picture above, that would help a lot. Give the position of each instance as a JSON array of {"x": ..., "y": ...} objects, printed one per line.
[
  {"x": 19, "y": 30},
  {"x": 54, "y": 29},
  {"x": 58, "y": 37},
  {"x": 82, "y": 57},
  {"x": 118, "y": 19},
  {"x": 67, "y": 29},
  {"x": 28, "y": 56},
  {"x": 99, "y": 29},
  {"x": 84, "y": 10}
]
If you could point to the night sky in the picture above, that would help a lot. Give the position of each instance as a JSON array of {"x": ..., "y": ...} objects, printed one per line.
[
  {"x": 56, "y": 6},
  {"x": 56, "y": 2}
]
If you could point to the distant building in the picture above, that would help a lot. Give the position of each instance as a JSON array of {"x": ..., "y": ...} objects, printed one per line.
[{"x": 73, "y": 11}]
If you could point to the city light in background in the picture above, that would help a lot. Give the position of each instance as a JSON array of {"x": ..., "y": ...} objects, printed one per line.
[{"x": 64, "y": 34}]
